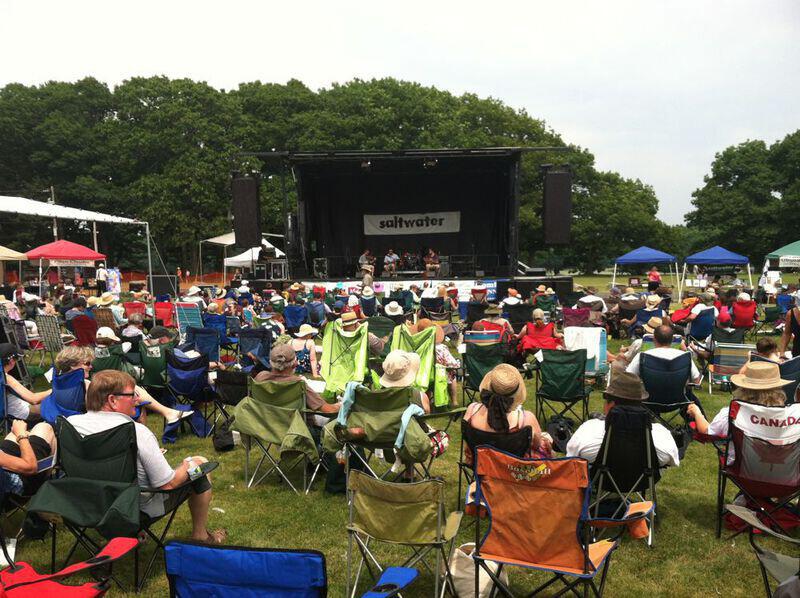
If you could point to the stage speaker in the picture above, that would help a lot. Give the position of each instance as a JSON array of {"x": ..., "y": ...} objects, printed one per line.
[
  {"x": 246, "y": 210},
  {"x": 164, "y": 284},
  {"x": 557, "y": 206}
]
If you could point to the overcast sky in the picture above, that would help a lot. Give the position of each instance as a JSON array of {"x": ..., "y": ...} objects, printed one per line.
[{"x": 652, "y": 88}]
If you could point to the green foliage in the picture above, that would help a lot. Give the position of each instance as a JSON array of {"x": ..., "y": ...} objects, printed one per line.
[{"x": 162, "y": 150}]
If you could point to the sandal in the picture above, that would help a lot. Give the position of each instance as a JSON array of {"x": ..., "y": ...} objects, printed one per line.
[{"x": 218, "y": 536}]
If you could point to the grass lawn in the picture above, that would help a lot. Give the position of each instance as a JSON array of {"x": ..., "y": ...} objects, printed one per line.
[{"x": 687, "y": 559}]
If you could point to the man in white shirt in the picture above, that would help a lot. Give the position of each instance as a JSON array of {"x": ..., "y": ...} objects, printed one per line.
[
  {"x": 625, "y": 389},
  {"x": 193, "y": 296},
  {"x": 590, "y": 299},
  {"x": 101, "y": 277},
  {"x": 111, "y": 401},
  {"x": 662, "y": 339}
]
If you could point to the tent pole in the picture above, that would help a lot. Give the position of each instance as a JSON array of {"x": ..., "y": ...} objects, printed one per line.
[
  {"x": 150, "y": 285},
  {"x": 224, "y": 257},
  {"x": 750, "y": 276},
  {"x": 614, "y": 276},
  {"x": 200, "y": 265},
  {"x": 94, "y": 234},
  {"x": 40, "y": 277}
]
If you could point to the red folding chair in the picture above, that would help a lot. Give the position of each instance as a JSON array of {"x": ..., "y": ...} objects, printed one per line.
[
  {"x": 134, "y": 307},
  {"x": 85, "y": 329},
  {"x": 164, "y": 311}
]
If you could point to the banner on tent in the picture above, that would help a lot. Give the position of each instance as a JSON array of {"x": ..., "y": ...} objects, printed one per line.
[
  {"x": 412, "y": 224},
  {"x": 71, "y": 263},
  {"x": 789, "y": 261}
]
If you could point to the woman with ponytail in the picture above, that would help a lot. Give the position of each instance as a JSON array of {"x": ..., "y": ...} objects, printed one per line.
[{"x": 502, "y": 393}]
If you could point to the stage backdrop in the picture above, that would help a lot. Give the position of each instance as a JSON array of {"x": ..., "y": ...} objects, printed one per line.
[{"x": 457, "y": 204}]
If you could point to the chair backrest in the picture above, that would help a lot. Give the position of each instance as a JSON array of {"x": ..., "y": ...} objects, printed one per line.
[
  {"x": 744, "y": 314},
  {"x": 85, "y": 329},
  {"x": 728, "y": 358},
  {"x": 434, "y": 304},
  {"x": 790, "y": 370},
  {"x": 423, "y": 343},
  {"x": 381, "y": 326},
  {"x": 553, "y": 496},
  {"x": 627, "y": 458},
  {"x": 195, "y": 569},
  {"x": 68, "y": 396},
  {"x": 257, "y": 341},
  {"x": 766, "y": 443},
  {"x": 294, "y": 316},
  {"x": 562, "y": 373},
  {"x": 154, "y": 364},
  {"x": 703, "y": 325},
  {"x": 728, "y": 335},
  {"x": 315, "y": 313},
  {"x": 369, "y": 306},
  {"x": 187, "y": 376},
  {"x": 233, "y": 326},
  {"x": 205, "y": 340},
  {"x": 785, "y": 302},
  {"x": 417, "y": 509},
  {"x": 479, "y": 360},
  {"x": 111, "y": 358},
  {"x": 515, "y": 443},
  {"x": 665, "y": 380},
  {"x": 481, "y": 337},
  {"x": 344, "y": 358},
  {"x": 134, "y": 307},
  {"x": 286, "y": 395},
  {"x": 231, "y": 386},
  {"x": 50, "y": 333},
  {"x": 518, "y": 315},
  {"x": 547, "y": 303},
  {"x": 105, "y": 317},
  {"x": 475, "y": 311},
  {"x": 188, "y": 314},
  {"x": 105, "y": 456},
  {"x": 576, "y": 317},
  {"x": 218, "y": 322},
  {"x": 163, "y": 311}
]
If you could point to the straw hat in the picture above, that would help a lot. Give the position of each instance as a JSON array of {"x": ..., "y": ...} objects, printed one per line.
[
  {"x": 652, "y": 302},
  {"x": 276, "y": 298},
  {"x": 393, "y": 309},
  {"x": 399, "y": 369},
  {"x": 493, "y": 310},
  {"x": 627, "y": 386},
  {"x": 348, "y": 318},
  {"x": 92, "y": 301},
  {"x": 549, "y": 291},
  {"x": 306, "y": 330},
  {"x": 652, "y": 324},
  {"x": 106, "y": 298},
  {"x": 295, "y": 287},
  {"x": 368, "y": 292},
  {"x": 512, "y": 300},
  {"x": 220, "y": 292},
  {"x": 352, "y": 301},
  {"x": 743, "y": 297},
  {"x": 107, "y": 333},
  {"x": 505, "y": 380},
  {"x": 193, "y": 290},
  {"x": 541, "y": 288},
  {"x": 629, "y": 291},
  {"x": 760, "y": 375}
]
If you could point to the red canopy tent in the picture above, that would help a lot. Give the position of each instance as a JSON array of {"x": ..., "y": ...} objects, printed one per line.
[{"x": 63, "y": 253}]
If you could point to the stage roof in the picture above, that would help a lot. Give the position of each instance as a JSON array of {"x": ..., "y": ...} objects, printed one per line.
[
  {"x": 716, "y": 256},
  {"x": 645, "y": 255},
  {"x": 30, "y": 207}
]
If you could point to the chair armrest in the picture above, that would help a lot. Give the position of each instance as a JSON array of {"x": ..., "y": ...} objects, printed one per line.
[
  {"x": 205, "y": 468},
  {"x": 326, "y": 414},
  {"x": 751, "y": 519},
  {"x": 442, "y": 414}
]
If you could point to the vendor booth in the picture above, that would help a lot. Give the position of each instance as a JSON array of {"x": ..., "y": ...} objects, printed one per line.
[
  {"x": 646, "y": 255},
  {"x": 9, "y": 255},
  {"x": 244, "y": 260},
  {"x": 63, "y": 253},
  {"x": 716, "y": 256}
]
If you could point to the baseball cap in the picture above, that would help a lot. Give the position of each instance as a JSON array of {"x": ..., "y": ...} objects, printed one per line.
[
  {"x": 161, "y": 331},
  {"x": 106, "y": 332},
  {"x": 8, "y": 350},
  {"x": 281, "y": 357}
]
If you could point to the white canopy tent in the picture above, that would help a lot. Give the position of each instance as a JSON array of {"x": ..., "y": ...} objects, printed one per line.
[
  {"x": 243, "y": 260},
  {"x": 30, "y": 207}
]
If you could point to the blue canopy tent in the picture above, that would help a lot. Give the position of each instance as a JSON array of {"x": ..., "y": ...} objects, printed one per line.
[
  {"x": 716, "y": 256},
  {"x": 645, "y": 255}
]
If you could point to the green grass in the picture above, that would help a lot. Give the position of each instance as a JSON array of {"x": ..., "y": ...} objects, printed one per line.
[{"x": 687, "y": 559}]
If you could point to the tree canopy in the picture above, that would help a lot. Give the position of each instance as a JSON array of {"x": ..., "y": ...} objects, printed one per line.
[{"x": 163, "y": 150}]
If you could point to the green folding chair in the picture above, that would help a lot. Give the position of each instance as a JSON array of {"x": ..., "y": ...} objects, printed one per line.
[
  {"x": 479, "y": 360},
  {"x": 113, "y": 358},
  {"x": 154, "y": 364},
  {"x": 418, "y": 521},
  {"x": 344, "y": 357},
  {"x": 272, "y": 418},
  {"x": 560, "y": 385}
]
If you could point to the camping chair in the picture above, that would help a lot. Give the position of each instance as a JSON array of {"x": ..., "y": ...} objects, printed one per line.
[
  {"x": 475, "y": 312},
  {"x": 381, "y": 326},
  {"x": 539, "y": 519},
  {"x": 67, "y": 397},
  {"x": 728, "y": 359},
  {"x": 154, "y": 364},
  {"x": 164, "y": 311},
  {"x": 105, "y": 317},
  {"x": 230, "y": 387},
  {"x": 516, "y": 443},
  {"x": 195, "y": 569},
  {"x": 433, "y": 309},
  {"x": 785, "y": 302},
  {"x": 626, "y": 470},
  {"x": 560, "y": 380},
  {"x": 206, "y": 341},
  {"x": 188, "y": 314},
  {"x": 576, "y": 317},
  {"x": 772, "y": 316},
  {"x": 595, "y": 342},
  {"x": 272, "y": 418},
  {"x": 790, "y": 370},
  {"x": 519, "y": 315},
  {"x": 419, "y": 522},
  {"x": 344, "y": 356},
  {"x": 233, "y": 327},
  {"x": 255, "y": 341},
  {"x": 701, "y": 327},
  {"x": 780, "y": 567},
  {"x": 113, "y": 357},
  {"x": 315, "y": 313},
  {"x": 761, "y": 457},
  {"x": 665, "y": 381},
  {"x": 85, "y": 329},
  {"x": 50, "y": 335},
  {"x": 294, "y": 316},
  {"x": 187, "y": 382},
  {"x": 219, "y": 323},
  {"x": 20, "y": 579},
  {"x": 479, "y": 358},
  {"x": 134, "y": 307},
  {"x": 547, "y": 303},
  {"x": 99, "y": 491},
  {"x": 422, "y": 343}
]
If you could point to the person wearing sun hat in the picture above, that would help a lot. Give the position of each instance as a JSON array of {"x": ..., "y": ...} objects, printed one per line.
[
  {"x": 499, "y": 410},
  {"x": 493, "y": 320},
  {"x": 193, "y": 295},
  {"x": 350, "y": 323},
  {"x": 591, "y": 300},
  {"x": 651, "y": 309},
  {"x": 305, "y": 350},
  {"x": 626, "y": 391},
  {"x": 399, "y": 371}
]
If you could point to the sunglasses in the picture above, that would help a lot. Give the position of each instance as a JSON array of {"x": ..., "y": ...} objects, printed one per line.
[{"x": 125, "y": 394}]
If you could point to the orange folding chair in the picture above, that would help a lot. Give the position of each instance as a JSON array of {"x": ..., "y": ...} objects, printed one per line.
[
  {"x": 538, "y": 519},
  {"x": 134, "y": 307},
  {"x": 164, "y": 311}
]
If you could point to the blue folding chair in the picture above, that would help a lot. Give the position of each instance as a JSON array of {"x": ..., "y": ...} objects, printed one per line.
[
  {"x": 790, "y": 370},
  {"x": 665, "y": 381},
  {"x": 315, "y": 313},
  {"x": 785, "y": 302},
  {"x": 255, "y": 341},
  {"x": 220, "y": 323},
  {"x": 702, "y": 326},
  {"x": 196, "y": 569},
  {"x": 205, "y": 340},
  {"x": 67, "y": 398},
  {"x": 294, "y": 316},
  {"x": 187, "y": 382}
]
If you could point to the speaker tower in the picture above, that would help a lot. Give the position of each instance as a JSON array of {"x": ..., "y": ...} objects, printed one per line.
[
  {"x": 246, "y": 209},
  {"x": 557, "y": 205}
]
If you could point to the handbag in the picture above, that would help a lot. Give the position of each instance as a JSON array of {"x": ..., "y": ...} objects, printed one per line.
[{"x": 462, "y": 569}]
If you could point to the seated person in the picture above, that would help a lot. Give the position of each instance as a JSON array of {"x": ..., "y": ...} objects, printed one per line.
[
  {"x": 623, "y": 358},
  {"x": 500, "y": 410},
  {"x": 194, "y": 295},
  {"x": 390, "y": 261},
  {"x": 305, "y": 350},
  {"x": 366, "y": 263},
  {"x": 662, "y": 339},
  {"x": 21, "y": 402},
  {"x": 351, "y": 323},
  {"x": 651, "y": 309},
  {"x": 512, "y": 298},
  {"x": 399, "y": 371},
  {"x": 707, "y": 301},
  {"x": 493, "y": 320},
  {"x": 432, "y": 264},
  {"x": 592, "y": 301},
  {"x": 283, "y": 361},
  {"x": 768, "y": 349},
  {"x": 135, "y": 327},
  {"x": 110, "y": 402},
  {"x": 625, "y": 389},
  {"x": 20, "y": 452},
  {"x": 538, "y": 335},
  {"x": 78, "y": 309}
]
